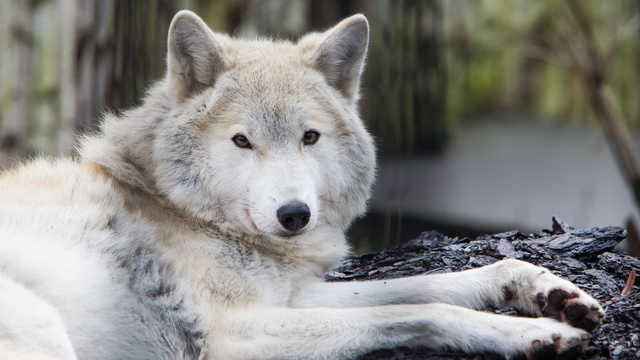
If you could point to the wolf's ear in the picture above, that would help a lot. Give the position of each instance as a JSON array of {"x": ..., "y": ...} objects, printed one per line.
[
  {"x": 340, "y": 54},
  {"x": 195, "y": 58}
]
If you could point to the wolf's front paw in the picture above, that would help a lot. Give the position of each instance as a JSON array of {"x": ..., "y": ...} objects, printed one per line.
[
  {"x": 536, "y": 291},
  {"x": 553, "y": 340},
  {"x": 564, "y": 301}
]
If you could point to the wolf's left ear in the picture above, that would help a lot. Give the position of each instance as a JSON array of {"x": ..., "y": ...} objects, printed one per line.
[
  {"x": 195, "y": 57},
  {"x": 339, "y": 56}
]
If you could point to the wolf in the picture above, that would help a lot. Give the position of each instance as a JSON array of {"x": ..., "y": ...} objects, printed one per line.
[{"x": 201, "y": 224}]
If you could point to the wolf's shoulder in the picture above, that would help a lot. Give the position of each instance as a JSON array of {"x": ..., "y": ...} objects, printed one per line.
[
  {"x": 39, "y": 168},
  {"x": 62, "y": 180}
]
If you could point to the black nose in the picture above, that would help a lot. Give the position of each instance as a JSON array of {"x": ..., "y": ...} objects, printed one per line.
[{"x": 294, "y": 217}]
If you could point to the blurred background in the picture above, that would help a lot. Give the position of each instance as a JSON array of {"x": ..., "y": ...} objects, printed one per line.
[{"x": 489, "y": 115}]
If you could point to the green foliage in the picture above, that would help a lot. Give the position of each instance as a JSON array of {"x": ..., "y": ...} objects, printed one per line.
[{"x": 495, "y": 64}]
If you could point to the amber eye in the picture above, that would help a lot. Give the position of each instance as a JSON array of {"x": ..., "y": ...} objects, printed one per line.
[
  {"x": 241, "y": 141},
  {"x": 311, "y": 137}
]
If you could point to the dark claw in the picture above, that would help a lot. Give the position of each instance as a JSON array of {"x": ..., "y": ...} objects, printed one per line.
[{"x": 586, "y": 337}]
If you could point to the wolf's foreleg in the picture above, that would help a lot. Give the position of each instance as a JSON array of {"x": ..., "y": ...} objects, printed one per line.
[
  {"x": 325, "y": 333},
  {"x": 529, "y": 288}
]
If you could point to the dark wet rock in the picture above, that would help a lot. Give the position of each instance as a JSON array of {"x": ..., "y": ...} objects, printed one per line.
[
  {"x": 560, "y": 227},
  {"x": 585, "y": 257}
]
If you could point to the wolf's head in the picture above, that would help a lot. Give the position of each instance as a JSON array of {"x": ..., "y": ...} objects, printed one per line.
[{"x": 261, "y": 135}]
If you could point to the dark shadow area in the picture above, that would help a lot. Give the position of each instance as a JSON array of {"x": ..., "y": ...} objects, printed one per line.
[{"x": 377, "y": 231}]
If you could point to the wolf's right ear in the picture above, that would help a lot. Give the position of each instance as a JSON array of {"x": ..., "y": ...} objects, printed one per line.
[{"x": 195, "y": 58}]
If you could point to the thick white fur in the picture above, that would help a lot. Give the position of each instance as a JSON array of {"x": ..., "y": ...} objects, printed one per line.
[{"x": 162, "y": 240}]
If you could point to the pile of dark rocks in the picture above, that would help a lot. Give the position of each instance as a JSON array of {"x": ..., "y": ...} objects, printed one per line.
[{"x": 585, "y": 257}]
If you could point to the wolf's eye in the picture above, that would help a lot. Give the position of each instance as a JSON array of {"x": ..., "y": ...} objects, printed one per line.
[
  {"x": 311, "y": 137},
  {"x": 241, "y": 141}
]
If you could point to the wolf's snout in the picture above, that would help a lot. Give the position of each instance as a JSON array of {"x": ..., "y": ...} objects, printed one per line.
[{"x": 294, "y": 217}]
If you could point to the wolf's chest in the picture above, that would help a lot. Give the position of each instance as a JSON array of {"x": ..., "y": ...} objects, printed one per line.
[
  {"x": 233, "y": 275},
  {"x": 165, "y": 311}
]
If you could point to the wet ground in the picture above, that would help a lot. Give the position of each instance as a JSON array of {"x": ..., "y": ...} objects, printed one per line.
[{"x": 585, "y": 257}]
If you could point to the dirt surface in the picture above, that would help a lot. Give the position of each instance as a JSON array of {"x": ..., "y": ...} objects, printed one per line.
[{"x": 585, "y": 257}]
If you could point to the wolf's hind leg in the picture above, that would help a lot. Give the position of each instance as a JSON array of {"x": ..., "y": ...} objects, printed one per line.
[{"x": 30, "y": 328}]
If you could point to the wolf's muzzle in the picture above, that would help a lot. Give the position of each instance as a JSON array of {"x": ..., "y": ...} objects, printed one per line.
[{"x": 294, "y": 217}]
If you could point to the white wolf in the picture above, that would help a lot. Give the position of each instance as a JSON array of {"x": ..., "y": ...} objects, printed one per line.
[{"x": 200, "y": 226}]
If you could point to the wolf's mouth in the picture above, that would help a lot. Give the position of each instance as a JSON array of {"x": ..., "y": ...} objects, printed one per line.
[
  {"x": 290, "y": 235},
  {"x": 249, "y": 221}
]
